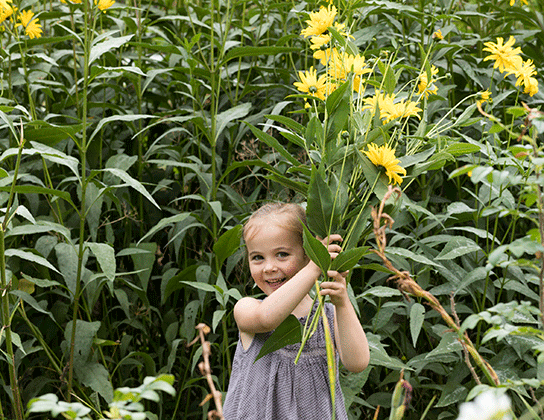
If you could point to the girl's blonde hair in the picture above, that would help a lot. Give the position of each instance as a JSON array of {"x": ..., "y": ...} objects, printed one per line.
[{"x": 293, "y": 218}]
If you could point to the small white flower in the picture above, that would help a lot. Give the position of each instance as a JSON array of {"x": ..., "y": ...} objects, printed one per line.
[{"x": 490, "y": 405}]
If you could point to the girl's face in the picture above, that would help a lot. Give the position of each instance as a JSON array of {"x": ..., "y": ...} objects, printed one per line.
[{"x": 275, "y": 254}]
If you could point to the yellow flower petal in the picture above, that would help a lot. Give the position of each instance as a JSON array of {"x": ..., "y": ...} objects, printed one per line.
[{"x": 384, "y": 156}]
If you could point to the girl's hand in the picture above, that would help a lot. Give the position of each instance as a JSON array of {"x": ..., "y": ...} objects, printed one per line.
[
  {"x": 333, "y": 248},
  {"x": 336, "y": 288}
]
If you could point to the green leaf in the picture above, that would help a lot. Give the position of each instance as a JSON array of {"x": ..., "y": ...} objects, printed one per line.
[
  {"x": 50, "y": 134},
  {"x": 322, "y": 213},
  {"x": 105, "y": 256},
  {"x": 29, "y": 256},
  {"x": 132, "y": 183},
  {"x": 56, "y": 156},
  {"x": 202, "y": 286},
  {"x": 227, "y": 244},
  {"x": 456, "y": 247},
  {"x": 288, "y": 332},
  {"x": 346, "y": 260},
  {"x": 223, "y": 118},
  {"x": 40, "y": 226},
  {"x": 217, "y": 316},
  {"x": 31, "y": 301},
  {"x": 316, "y": 251},
  {"x": 96, "y": 376},
  {"x": 144, "y": 262},
  {"x": 163, "y": 223},
  {"x": 406, "y": 253},
  {"x": 175, "y": 283},
  {"x": 417, "y": 316},
  {"x": 273, "y": 143},
  {"x": 117, "y": 118},
  {"x": 246, "y": 51},
  {"x": 103, "y": 47},
  {"x": 33, "y": 189},
  {"x": 459, "y": 148},
  {"x": 85, "y": 333}
]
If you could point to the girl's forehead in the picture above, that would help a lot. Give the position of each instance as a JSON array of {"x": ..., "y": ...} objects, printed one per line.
[{"x": 268, "y": 226}]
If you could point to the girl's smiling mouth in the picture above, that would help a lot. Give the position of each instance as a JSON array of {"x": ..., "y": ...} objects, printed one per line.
[{"x": 276, "y": 283}]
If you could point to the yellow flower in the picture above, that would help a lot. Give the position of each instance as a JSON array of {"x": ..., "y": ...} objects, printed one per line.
[
  {"x": 531, "y": 86},
  {"x": 384, "y": 156},
  {"x": 311, "y": 84},
  {"x": 438, "y": 34},
  {"x": 426, "y": 88},
  {"x": 104, "y": 4},
  {"x": 324, "y": 55},
  {"x": 6, "y": 12},
  {"x": 484, "y": 96},
  {"x": 521, "y": 1},
  {"x": 32, "y": 28},
  {"x": 72, "y": 1},
  {"x": 403, "y": 110},
  {"x": 319, "y": 21},
  {"x": 319, "y": 41},
  {"x": 506, "y": 58},
  {"x": 389, "y": 110},
  {"x": 4, "y": 4},
  {"x": 524, "y": 73},
  {"x": 342, "y": 64}
]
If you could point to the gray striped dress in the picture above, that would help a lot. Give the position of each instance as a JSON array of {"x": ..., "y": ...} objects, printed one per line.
[{"x": 274, "y": 388}]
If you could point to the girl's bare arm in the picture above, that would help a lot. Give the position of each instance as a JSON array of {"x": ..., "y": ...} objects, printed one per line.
[{"x": 351, "y": 339}]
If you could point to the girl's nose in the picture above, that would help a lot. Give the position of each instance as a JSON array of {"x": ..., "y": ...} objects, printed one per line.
[{"x": 269, "y": 267}]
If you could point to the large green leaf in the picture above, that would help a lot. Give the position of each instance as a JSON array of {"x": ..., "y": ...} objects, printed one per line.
[
  {"x": 144, "y": 262},
  {"x": 349, "y": 258},
  {"x": 417, "y": 316},
  {"x": 105, "y": 256},
  {"x": 273, "y": 143},
  {"x": 29, "y": 256},
  {"x": 167, "y": 221},
  {"x": 132, "y": 183},
  {"x": 456, "y": 247},
  {"x": 34, "y": 189},
  {"x": 50, "y": 134},
  {"x": 109, "y": 44},
  {"x": 288, "y": 332},
  {"x": 227, "y": 244},
  {"x": 225, "y": 117},
  {"x": 250, "y": 51},
  {"x": 316, "y": 251},
  {"x": 96, "y": 376},
  {"x": 322, "y": 212}
]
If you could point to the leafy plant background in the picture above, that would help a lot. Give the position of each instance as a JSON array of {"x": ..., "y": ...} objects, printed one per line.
[{"x": 122, "y": 212}]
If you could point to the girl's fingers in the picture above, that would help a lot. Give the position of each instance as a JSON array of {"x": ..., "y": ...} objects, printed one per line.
[
  {"x": 331, "y": 238},
  {"x": 338, "y": 277}
]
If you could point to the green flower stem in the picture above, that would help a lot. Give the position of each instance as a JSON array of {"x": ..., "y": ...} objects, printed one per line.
[
  {"x": 6, "y": 328},
  {"x": 83, "y": 181},
  {"x": 6, "y": 319},
  {"x": 363, "y": 207}
]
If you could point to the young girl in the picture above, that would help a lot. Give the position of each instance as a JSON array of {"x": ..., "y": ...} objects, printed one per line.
[{"x": 274, "y": 388}]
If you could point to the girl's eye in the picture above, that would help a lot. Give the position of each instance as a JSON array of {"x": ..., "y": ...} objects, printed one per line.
[
  {"x": 283, "y": 254},
  {"x": 257, "y": 258}
]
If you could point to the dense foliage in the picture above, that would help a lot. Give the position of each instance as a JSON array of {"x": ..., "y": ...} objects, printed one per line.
[{"x": 136, "y": 137}]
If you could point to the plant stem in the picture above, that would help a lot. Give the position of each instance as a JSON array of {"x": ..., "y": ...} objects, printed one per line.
[
  {"x": 83, "y": 181},
  {"x": 6, "y": 327}
]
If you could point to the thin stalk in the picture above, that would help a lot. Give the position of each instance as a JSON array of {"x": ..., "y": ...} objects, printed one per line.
[
  {"x": 6, "y": 318},
  {"x": 137, "y": 7},
  {"x": 83, "y": 155}
]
